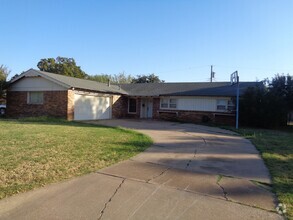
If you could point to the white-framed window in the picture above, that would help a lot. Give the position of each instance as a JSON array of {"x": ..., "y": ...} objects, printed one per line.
[
  {"x": 172, "y": 103},
  {"x": 222, "y": 104},
  {"x": 164, "y": 103},
  {"x": 131, "y": 105},
  {"x": 231, "y": 105},
  {"x": 35, "y": 98},
  {"x": 168, "y": 103}
]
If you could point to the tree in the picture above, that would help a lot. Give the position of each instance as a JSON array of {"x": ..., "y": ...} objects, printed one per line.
[
  {"x": 281, "y": 89},
  {"x": 4, "y": 72},
  {"x": 102, "y": 78},
  {"x": 289, "y": 96},
  {"x": 282, "y": 86},
  {"x": 120, "y": 78},
  {"x": 252, "y": 107},
  {"x": 268, "y": 106},
  {"x": 63, "y": 66},
  {"x": 152, "y": 78}
]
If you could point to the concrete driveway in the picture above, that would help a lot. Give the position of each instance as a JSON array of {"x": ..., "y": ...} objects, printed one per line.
[{"x": 191, "y": 172}]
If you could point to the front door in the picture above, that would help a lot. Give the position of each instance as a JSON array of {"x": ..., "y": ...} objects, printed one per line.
[{"x": 146, "y": 108}]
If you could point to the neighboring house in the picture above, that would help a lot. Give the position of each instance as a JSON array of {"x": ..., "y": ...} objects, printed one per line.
[{"x": 37, "y": 93}]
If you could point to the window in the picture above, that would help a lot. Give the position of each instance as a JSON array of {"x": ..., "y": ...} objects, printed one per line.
[
  {"x": 172, "y": 103},
  {"x": 164, "y": 103},
  {"x": 168, "y": 103},
  {"x": 231, "y": 106},
  {"x": 222, "y": 105},
  {"x": 131, "y": 105},
  {"x": 35, "y": 98}
]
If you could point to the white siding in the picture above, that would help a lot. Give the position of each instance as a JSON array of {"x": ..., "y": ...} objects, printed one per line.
[
  {"x": 35, "y": 84},
  {"x": 197, "y": 103},
  {"x": 91, "y": 107}
]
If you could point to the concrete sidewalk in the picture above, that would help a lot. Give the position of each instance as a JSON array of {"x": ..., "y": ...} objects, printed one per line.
[{"x": 191, "y": 172}]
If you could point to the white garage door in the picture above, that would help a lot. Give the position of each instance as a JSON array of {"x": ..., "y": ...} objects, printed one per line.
[{"x": 88, "y": 107}]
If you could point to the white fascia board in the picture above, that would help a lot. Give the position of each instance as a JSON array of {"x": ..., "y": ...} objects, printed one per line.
[{"x": 82, "y": 92}]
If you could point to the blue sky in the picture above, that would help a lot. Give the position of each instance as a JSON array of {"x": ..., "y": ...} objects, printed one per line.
[{"x": 175, "y": 39}]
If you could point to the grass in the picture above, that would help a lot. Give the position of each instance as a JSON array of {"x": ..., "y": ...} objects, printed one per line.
[
  {"x": 35, "y": 152},
  {"x": 276, "y": 148}
]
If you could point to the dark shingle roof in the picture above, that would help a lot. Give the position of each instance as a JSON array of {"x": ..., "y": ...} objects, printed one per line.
[
  {"x": 146, "y": 89},
  {"x": 186, "y": 89}
]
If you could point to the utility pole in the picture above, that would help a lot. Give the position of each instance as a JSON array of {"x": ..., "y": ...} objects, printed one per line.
[{"x": 212, "y": 74}]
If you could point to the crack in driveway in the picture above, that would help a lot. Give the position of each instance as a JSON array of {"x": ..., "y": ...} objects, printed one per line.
[
  {"x": 225, "y": 194},
  {"x": 204, "y": 140},
  {"x": 189, "y": 162},
  {"x": 106, "y": 204},
  {"x": 160, "y": 174},
  {"x": 195, "y": 152}
]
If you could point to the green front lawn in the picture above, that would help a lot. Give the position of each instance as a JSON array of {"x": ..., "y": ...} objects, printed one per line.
[
  {"x": 276, "y": 148},
  {"x": 34, "y": 152}
]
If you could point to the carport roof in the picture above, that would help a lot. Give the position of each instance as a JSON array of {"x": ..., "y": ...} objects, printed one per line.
[{"x": 186, "y": 89}]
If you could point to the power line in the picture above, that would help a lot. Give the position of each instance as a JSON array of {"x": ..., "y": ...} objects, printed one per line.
[
  {"x": 188, "y": 68},
  {"x": 254, "y": 68}
]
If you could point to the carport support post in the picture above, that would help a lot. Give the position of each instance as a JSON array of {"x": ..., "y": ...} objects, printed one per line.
[{"x": 237, "y": 102}]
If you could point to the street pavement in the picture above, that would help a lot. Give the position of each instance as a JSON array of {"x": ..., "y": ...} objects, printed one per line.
[{"x": 190, "y": 172}]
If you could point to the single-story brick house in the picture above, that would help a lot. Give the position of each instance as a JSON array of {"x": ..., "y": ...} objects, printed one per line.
[{"x": 38, "y": 93}]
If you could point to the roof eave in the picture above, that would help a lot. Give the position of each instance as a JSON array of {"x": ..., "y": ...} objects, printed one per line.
[{"x": 97, "y": 91}]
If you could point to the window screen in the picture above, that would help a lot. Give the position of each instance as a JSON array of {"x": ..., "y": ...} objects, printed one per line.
[
  {"x": 221, "y": 104},
  {"x": 172, "y": 103},
  {"x": 35, "y": 97},
  {"x": 164, "y": 103}
]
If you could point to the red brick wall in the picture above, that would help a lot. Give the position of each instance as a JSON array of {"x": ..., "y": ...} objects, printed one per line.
[
  {"x": 156, "y": 108},
  {"x": 119, "y": 106},
  {"x": 138, "y": 108},
  {"x": 55, "y": 104},
  {"x": 225, "y": 119},
  {"x": 196, "y": 116}
]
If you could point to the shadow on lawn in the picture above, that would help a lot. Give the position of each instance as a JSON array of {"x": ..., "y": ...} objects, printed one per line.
[{"x": 57, "y": 121}]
